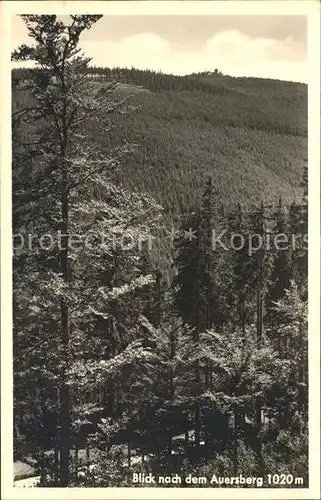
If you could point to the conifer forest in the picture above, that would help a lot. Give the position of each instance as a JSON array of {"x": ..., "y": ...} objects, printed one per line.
[{"x": 159, "y": 272}]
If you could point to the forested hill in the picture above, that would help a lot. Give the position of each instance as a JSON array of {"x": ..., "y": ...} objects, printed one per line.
[{"x": 249, "y": 134}]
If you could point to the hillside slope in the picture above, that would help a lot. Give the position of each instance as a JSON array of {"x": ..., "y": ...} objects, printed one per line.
[
  {"x": 249, "y": 134},
  {"x": 252, "y": 138}
]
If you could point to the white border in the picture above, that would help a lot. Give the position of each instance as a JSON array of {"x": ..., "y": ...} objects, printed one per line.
[{"x": 262, "y": 7}]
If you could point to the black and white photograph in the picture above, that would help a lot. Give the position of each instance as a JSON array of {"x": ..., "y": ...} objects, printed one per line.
[{"x": 160, "y": 184}]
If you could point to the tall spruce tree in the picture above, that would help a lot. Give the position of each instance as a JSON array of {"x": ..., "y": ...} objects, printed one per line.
[
  {"x": 298, "y": 222},
  {"x": 201, "y": 282},
  {"x": 69, "y": 278},
  {"x": 291, "y": 332},
  {"x": 281, "y": 273},
  {"x": 243, "y": 371},
  {"x": 261, "y": 267},
  {"x": 241, "y": 289}
]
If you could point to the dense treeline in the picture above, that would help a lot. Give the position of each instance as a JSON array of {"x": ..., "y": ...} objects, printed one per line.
[
  {"x": 152, "y": 80},
  {"x": 121, "y": 365}
]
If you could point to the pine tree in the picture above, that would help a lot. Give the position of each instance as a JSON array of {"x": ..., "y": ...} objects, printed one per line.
[
  {"x": 241, "y": 287},
  {"x": 243, "y": 370},
  {"x": 188, "y": 297},
  {"x": 298, "y": 221},
  {"x": 216, "y": 258},
  {"x": 281, "y": 273},
  {"x": 288, "y": 402},
  {"x": 66, "y": 288},
  {"x": 201, "y": 282},
  {"x": 260, "y": 267},
  {"x": 292, "y": 329}
]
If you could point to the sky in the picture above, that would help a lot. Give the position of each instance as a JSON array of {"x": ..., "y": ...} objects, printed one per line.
[{"x": 258, "y": 46}]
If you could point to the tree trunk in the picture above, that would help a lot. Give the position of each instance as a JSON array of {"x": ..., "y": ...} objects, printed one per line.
[
  {"x": 129, "y": 453},
  {"x": 186, "y": 432},
  {"x": 169, "y": 441},
  {"x": 301, "y": 377},
  {"x": 197, "y": 425},
  {"x": 64, "y": 436},
  {"x": 242, "y": 312},
  {"x": 197, "y": 411},
  {"x": 157, "y": 451},
  {"x": 87, "y": 453},
  {"x": 258, "y": 406},
  {"x": 76, "y": 457},
  {"x": 171, "y": 387},
  {"x": 56, "y": 455},
  {"x": 258, "y": 409},
  {"x": 64, "y": 392},
  {"x": 235, "y": 438},
  {"x": 171, "y": 397}
]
